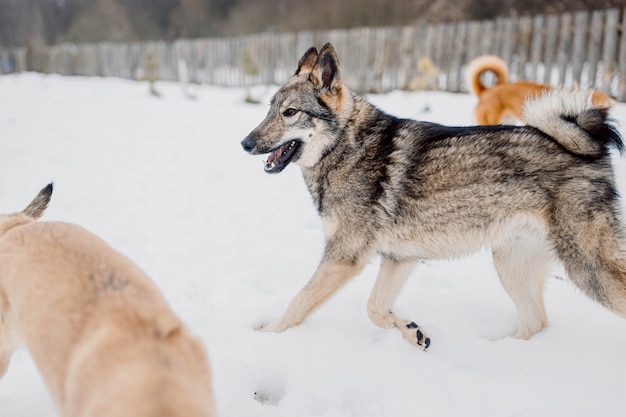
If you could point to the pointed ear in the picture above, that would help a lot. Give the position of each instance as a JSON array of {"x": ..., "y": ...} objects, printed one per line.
[
  {"x": 307, "y": 61},
  {"x": 39, "y": 204},
  {"x": 325, "y": 73}
]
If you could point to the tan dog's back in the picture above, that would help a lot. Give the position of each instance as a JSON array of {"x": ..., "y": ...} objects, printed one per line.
[{"x": 98, "y": 329}]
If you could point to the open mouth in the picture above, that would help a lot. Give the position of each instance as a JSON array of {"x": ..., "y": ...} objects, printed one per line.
[{"x": 282, "y": 156}]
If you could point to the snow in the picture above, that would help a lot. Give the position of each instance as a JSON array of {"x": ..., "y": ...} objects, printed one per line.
[{"x": 164, "y": 181}]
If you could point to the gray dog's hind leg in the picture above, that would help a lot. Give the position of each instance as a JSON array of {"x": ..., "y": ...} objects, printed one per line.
[{"x": 523, "y": 263}]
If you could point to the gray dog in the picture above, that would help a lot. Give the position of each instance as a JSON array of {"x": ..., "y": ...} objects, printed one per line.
[{"x": 410, "y": 191}]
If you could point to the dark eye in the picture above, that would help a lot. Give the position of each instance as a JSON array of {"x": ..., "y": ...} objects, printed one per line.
[{"x": 290, "y": 112}]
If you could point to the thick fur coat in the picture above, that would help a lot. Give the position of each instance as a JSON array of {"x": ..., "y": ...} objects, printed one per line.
[
  {"x": 408, "y": 191},
  {"x": 101, "y": 334}
]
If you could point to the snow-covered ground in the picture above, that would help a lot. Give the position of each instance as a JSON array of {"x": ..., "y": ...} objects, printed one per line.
[{"x": 164, "y": 181}]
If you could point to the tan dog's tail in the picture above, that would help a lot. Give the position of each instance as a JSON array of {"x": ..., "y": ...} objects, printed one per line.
[
  {"x": 39, "y": 204},
  {"x": 482, "y": 64},
  {"x": 31, "y": 213}
]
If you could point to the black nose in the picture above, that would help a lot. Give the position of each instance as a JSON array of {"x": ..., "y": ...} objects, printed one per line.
[{"x": 249, "y": 142}]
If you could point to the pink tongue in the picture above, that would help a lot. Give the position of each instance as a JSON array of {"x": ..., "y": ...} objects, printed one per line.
[{"x": 274, "y": 156}]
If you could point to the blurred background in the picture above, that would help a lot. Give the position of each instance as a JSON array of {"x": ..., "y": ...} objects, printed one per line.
[
  {"x": 56, "y": 21},
  {"x": 383, "y": 45}
]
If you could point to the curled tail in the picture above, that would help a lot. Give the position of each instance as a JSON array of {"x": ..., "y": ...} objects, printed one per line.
[
  {"x": 571, "y": 119},
  {"x": 483, "y": 64}
]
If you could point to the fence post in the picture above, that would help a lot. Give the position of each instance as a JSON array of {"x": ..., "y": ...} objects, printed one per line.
[
  {"x": 621, "y": 88},
  {"x": 552, "y": 30},
  {"x": 580, "y": 38},
  {"x": 525, "y": 29},
  {"x": 595, "y": 43},
  {"x": 537, "y": 42},
  {"x": 609, "y": 49},
  {"x": 564, "y": 48},
  {"x": 455, "y": 78}
]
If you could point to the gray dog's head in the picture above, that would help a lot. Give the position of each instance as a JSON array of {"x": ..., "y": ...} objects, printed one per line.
[{"x": 305, "y": 114}]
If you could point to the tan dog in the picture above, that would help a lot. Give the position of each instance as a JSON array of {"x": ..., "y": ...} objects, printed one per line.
[
  {"x": 503, "y": 102},
  {"x": 98, "y": 329}
]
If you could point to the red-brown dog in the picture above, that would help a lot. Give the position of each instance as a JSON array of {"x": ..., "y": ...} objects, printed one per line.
[{"x": 503, "y": 102}]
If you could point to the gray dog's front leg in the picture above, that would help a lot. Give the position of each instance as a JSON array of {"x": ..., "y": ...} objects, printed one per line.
[{"x": 328, "y": 278}]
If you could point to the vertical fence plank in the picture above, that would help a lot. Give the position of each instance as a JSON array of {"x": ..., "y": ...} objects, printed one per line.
[
  {"x": 379, "y": 45},
  {"x": 498, "y": 37},
  {"x": 365, "y": 69},
  {"x": 357, "y": 58},
  {"x": 446, "y": 47},
  {"x": 535, "y": 49},
  {"x": 595, "y": 44},
  {"x": 245, "y": 48},
  {"x": 564, "y": 48},
  {"x": 621, "y": 88},
  {"x": 406, "y": 56},
  {"x": 609, "y": 50},
  {"x": 419, "y": 45},
  {"x": 552, "y": 30},
  {"x": 430, "y": 41},
  {"x": 580, "y": 43},
  {"x": 286, "y": 60},
  {"x": 217, "y": 62},
  {"x": 436, "y": 48},
  {"x": 486, "y": 40},
  {"x": 224, "y": 68},
  {"x": 455, "y": 77},
  {"x": 509, "y": 39},
  {"x": 436, "y": 45},
  {"x": 473, "y": 36},
  {"x": 209, "y": 63},
  {"x": 524, "y": 32}
]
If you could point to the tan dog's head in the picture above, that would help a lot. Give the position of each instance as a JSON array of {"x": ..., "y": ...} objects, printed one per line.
[{"x": 32, "y": 212}]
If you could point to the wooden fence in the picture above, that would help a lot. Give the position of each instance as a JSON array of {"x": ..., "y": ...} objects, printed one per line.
[{"x": 583, "y": 48}]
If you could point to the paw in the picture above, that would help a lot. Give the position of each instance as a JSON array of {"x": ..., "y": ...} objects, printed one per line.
[
  {"x": 415, "y": 335},
  {"x": 264, "y": 328},
  {"x": 274, "y": 327}
]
